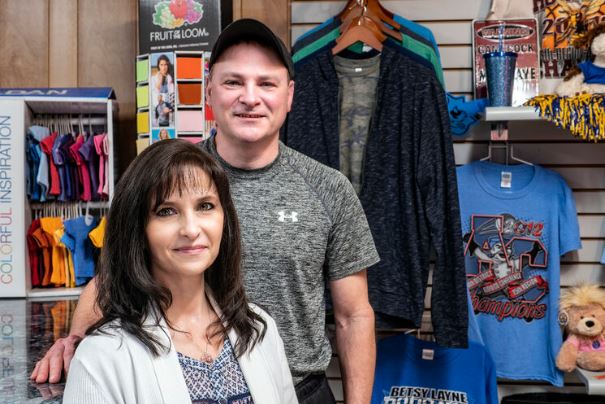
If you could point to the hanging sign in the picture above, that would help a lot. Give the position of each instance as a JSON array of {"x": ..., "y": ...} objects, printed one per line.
[
  {"x": 519, "y": 36},
  {"x": 178, "y": 25},
  {"x": 560, "y": 22},
  {"x": 68, "y": 92}
]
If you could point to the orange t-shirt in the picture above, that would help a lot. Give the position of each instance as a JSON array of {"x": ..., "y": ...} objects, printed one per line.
[{"x": 50, "y": 225}]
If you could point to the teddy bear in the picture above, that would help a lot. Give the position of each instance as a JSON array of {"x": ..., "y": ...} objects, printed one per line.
[
  {"x": 582, "y": 311},
  {"x": 587, "y": 77}
]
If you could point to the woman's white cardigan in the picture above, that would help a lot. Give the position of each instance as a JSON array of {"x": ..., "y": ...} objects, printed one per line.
[{"x": 118, "y": 368}]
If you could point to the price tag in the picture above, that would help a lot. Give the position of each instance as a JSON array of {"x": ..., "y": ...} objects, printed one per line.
[
  {"x": 506, "y": 179},
  {"x": 428, "y": 354}
]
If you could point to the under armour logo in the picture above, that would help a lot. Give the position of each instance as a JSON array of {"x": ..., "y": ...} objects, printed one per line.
[{"x": 282, "y": 216}]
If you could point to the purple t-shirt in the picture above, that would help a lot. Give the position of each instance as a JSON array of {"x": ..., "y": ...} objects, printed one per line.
[
  {"x": 88, "y": 152},
  {"x": 60, "y": 162}
]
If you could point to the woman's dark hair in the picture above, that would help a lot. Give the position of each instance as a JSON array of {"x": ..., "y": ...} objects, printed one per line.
[
  {"x": 126, "y": 290},
  {"x": 164, "y": 58}
]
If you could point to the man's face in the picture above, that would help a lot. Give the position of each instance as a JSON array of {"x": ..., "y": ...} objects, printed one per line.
[{"x": 250, "y": 94}]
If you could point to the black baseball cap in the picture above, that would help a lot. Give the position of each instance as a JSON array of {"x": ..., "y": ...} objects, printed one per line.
[{"x": 248, "y": 29}]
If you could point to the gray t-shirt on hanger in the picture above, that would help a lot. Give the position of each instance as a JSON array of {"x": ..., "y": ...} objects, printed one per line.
[
  {"x": 357, "y": 81},
  {"x": 302, "y": 225}
]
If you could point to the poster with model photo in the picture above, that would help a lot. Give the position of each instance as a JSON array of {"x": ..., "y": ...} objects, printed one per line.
[
  {"x": 178, "y": 24},
  {"x": 162, "y": 134},
  {"x": 162, "y": 89}
]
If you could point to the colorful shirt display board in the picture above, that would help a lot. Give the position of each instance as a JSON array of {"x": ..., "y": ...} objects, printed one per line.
[
  {"x": 173, "y": 83},
  {"x": 410, "y": 371},
  {"x": 517, "y": 221}
]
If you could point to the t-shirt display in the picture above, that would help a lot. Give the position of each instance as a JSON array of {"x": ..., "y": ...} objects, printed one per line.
[
  {"x": 408, "y": 184},
  {"x": 66, "y": 167},
  {"x": 410, "y": 371},
  {"x": 517, "y": 221}
]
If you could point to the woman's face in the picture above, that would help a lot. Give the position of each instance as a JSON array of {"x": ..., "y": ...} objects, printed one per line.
[
  {"x": 163, "y": 67},
  {"x": 184, "y": 232}
]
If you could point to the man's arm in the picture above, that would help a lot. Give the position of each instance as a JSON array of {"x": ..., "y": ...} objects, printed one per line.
[
  {"x": 59, "y": 356},
  {"x": 355, "y": 336}
]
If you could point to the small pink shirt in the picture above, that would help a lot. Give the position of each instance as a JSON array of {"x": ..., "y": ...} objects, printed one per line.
[
  {"x": 106, "y": 154},
  {"x": 102, "y": 157},
  {"x": 587, "y": 345}
]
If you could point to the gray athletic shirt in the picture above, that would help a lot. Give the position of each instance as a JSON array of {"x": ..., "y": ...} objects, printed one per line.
[{"x": 302, "y": 224}]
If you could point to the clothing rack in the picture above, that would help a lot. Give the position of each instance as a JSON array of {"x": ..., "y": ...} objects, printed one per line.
[
  {"x": 66, "y": 123},
  {"x": 65, "y": 108},
  {"x": 85, "y": 205}
]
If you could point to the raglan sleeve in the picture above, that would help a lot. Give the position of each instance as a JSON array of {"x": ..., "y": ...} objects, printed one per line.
[{"x": 351, "y": 246}]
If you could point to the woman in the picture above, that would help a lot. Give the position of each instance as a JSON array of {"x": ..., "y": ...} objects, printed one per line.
[
  {"x": 162, "y": 80},
  {"x": 163, "y": 135},
  {"x": 176, "y": 324}
]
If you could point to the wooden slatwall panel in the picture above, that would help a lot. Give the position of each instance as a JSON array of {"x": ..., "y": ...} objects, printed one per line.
[
  {"x": 274, "y": 13},
  {"x": 24, "y": 34},
  {"x": 581, "y": 164},
  {"x": 71, "y": 43}
]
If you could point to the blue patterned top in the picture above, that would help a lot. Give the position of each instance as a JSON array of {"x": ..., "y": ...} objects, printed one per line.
[{"x": 220, "y": 382}]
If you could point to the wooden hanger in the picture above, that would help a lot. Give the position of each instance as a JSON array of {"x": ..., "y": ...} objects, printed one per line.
[
  {"x": 362, "y": 29},
  {"x": 353, "y": 7},
  {"x": 374, "y": 10},
  {"x": 396, "y": 35}
]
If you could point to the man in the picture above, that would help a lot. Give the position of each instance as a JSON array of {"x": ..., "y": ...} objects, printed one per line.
[{"x": 302, "y": 224}]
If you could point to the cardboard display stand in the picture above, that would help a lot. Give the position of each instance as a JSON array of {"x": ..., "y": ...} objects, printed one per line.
[{"x": 17, "y": 109}]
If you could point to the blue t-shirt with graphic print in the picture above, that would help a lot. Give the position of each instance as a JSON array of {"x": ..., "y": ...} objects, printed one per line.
[
  {"x": 517, "y": 221},
  {"x": 409, "y": 370}
]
